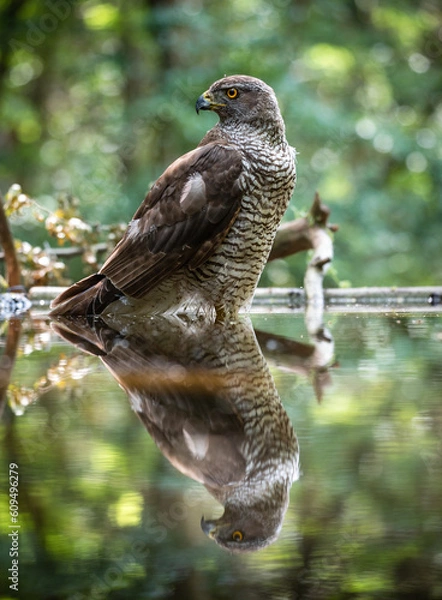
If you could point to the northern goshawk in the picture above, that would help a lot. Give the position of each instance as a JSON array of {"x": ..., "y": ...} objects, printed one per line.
[{"x": 202, "y": 235}]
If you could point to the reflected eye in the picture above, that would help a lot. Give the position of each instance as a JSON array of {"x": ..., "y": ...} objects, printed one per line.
[
  {"x": 232, "y": 93},
  {"x": 237, "y": 536}
]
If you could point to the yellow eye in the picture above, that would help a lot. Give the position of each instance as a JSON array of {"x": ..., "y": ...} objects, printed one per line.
[
  {"x": 237, "y": 536},
  {"x": 232, "y": 93}
]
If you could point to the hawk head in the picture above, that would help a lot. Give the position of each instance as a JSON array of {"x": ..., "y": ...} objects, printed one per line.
[
  {"x": 247, "y": 528},
  {"x": 240, "y": 98}
]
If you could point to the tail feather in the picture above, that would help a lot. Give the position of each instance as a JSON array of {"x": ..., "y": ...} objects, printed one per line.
[{"x": 89, "y": 297}]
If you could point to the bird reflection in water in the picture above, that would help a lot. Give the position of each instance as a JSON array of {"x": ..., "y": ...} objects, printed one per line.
[{"x": 205, "y": 394}]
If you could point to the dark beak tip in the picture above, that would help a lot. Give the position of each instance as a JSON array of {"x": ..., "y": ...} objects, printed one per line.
[
  {"x": 202, "y": 104},
  {"x": 206, "y": 526}
]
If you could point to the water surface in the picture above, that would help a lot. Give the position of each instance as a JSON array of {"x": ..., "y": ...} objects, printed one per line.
[{"x": 112, "y": 485}]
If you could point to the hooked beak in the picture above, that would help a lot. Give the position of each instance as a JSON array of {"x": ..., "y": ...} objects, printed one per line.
[
  {"x": 209, "y": 527},
  {"x": 204, "y": 102},
  {"x": 207, "y": 102}
]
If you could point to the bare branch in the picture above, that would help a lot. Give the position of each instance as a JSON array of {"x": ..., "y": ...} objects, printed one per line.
[
  {"x": 300, "y": 235},
  {"x": 6, "y": 240}
]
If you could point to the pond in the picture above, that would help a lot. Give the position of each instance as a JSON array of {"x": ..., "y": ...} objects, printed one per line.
[{"x": 176, "y": 459}]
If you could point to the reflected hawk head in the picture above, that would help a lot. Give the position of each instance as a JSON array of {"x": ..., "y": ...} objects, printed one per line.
[{"x": 245, "y": 528}]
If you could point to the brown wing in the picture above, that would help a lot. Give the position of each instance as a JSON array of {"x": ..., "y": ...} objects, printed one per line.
[{"x": 183, "y": 219}]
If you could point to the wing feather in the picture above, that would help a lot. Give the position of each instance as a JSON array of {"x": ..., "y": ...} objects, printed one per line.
[{"x": 183, "y": 219}]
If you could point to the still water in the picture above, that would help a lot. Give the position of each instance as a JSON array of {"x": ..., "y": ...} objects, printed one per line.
[{"x": 164, "y": 459}]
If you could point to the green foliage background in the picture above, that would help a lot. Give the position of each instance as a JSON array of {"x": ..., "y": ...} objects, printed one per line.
[{"x": 97, "y": 98}]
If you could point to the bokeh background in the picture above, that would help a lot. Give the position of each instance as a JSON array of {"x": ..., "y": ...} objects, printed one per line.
[{"x": 97, "y": 98}]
